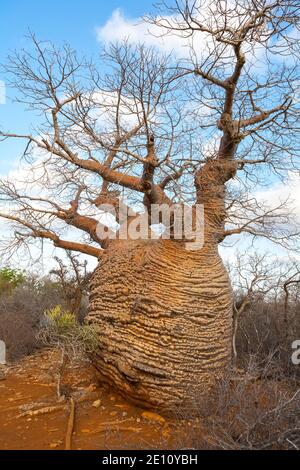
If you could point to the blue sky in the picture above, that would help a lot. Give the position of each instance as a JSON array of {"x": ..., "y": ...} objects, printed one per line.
[{"x": 75, "y": 22}]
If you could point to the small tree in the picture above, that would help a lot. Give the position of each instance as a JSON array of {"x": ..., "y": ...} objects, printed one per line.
[
  {"x": 74, "y": 279},
  {"x": 253, "y": 275},
  {"x": 265, "y": 285},
  {"x": 10, "y": 279}
]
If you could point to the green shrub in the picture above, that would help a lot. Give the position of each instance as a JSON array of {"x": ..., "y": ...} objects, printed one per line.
[
  {"x": 75, "y": 341},
  {"x": 10, "y": 279},
  {"x": 61, "y": 329},
  {"x": 60, "y": 320}
]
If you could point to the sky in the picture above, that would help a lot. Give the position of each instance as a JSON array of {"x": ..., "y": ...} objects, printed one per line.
[
  {"x": 84, "y": 25},
  {"x": 74, "y": 22}
]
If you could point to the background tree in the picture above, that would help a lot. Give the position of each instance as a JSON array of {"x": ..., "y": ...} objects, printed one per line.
[
  {"x": 160, "y": 131},
  {"x": 260, "y": 277},
  {"x": 10, "y": 279},
  {"x": 291, "y": 299},
  {"x": 74, "y": 279}
]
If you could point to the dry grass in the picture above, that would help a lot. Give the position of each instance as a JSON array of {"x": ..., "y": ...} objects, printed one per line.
[{"x": 251, "y": 409}]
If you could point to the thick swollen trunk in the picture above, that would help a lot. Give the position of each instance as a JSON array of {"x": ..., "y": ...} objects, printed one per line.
[{"x": 163, "y": 314}]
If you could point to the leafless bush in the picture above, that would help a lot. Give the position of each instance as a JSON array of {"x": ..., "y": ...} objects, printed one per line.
[
  {"x": 266, "y": 306},
  {"x": 21, "y": 312},
  {"x": 255, "y": 410},
  {"x": 250, "y": 409},
  {"x": 73, "y": 279},
  {"x": 262, "y": 331}
]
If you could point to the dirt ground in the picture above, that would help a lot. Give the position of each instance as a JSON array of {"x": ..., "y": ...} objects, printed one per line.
[{"x": 31, "y": 417}]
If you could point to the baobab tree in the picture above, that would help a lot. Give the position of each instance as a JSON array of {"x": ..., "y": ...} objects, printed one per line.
[{"x": 165, "y": 131}]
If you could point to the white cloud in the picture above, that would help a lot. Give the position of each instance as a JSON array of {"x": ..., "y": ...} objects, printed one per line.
[
  {"x": 105, "y": 109},
  {"x": 289, "y": 190},
  {"x": 118, "y": 28},
  {"x": 136, "y": 30}
]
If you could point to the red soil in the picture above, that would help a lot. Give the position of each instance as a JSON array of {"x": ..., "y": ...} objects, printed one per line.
[{"x": 103, "y": 420}]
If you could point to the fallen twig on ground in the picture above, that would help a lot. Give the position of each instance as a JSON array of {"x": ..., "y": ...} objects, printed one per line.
[{"x": 70, "y": 427}]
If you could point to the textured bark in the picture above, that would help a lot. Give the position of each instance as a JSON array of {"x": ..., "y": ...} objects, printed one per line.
[
  {"x": 164, "y": 319},
  {"x": 164, "y": 313}
]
